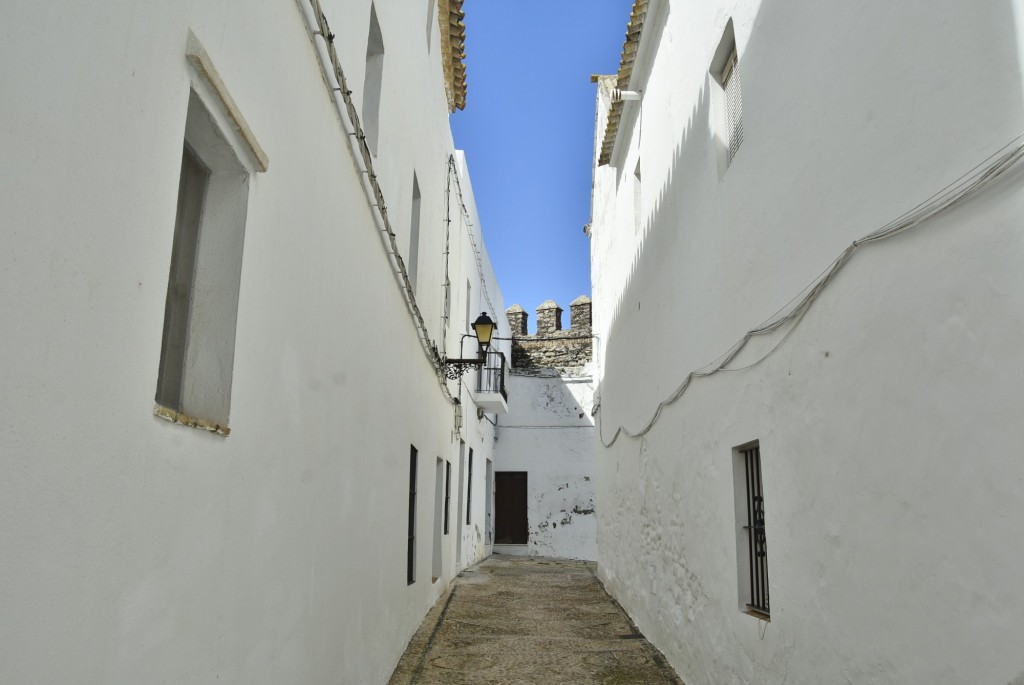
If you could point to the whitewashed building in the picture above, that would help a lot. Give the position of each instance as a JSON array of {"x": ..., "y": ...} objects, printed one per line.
[
  {"x": 254, "y": 470},
  {"x": 544, "y": 456},
  {"x": 808, "y": 301}
]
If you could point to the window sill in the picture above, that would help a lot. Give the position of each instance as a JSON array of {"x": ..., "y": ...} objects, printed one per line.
[
  {"x": 168, "y": 414},
  {"x": 756, "y": 613}
]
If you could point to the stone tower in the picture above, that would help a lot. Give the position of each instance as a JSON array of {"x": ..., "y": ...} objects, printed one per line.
[{"x": 551, "y": 347}]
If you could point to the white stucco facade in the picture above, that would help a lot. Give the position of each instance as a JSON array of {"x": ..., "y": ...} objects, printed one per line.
[
  {"x": 137, "y": 550},
  {"x": 887, "y": 416},
  {"x": 548, "y": 434}
]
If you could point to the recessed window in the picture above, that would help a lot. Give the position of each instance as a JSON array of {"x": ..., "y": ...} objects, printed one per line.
[
  {"x": 430, "y": 21},
  {"x": 469, "y": 488},
  {"x": 447, "y": 493},
  {"x": 410, "y": 573},
  {"x": 200, "y": 312},
  {"x": 372, "y": 81},
  {"x": 751, "y": 547},
  {"x": 414, "y": 233},
  {"x": 725, "y": 70},
  {"x": 438, "y": 557}
]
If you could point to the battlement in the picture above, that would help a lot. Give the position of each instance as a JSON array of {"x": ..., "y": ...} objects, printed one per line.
[{"x": 551, "y": 346}]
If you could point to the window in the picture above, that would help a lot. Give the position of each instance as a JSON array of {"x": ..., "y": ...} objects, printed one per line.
[
  {"x": 752, "y": 552},
  {"x": 410, "y": 572},
  {"x": 447, "y": 493},
  {"x": 191, "y": 192},
  {"x": 438, "y": 559},
  {"x": 200, "y": 312},
  {"x": 469, "y": 308},
  {"x": 414, "y": 232},
  {"x": 372, "y": 81},
  {"x": 469, "y": 488},
  {"x": 725, "y": 69},
  {"x": 430, "y": 21}
]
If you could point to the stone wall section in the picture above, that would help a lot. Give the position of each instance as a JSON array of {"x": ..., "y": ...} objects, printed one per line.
[{"x": 551, "y": 347}]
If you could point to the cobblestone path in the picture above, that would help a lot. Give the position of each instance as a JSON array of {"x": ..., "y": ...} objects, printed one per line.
[{"x": 521, "y": 621}]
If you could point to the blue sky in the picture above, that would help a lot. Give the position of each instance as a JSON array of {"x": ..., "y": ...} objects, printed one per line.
[{"x": 528, "y": 133}]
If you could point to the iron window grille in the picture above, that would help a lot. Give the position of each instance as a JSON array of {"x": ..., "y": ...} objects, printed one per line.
[
  {"x": 492, "y": 374},
  {"x": 757, "y": 549}
]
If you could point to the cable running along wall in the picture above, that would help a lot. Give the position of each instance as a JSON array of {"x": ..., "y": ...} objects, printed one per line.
[
  {"x": 793, "y": 312},
  {"x": 453, "y": 172},
  {"x": 318, "y": 26}
]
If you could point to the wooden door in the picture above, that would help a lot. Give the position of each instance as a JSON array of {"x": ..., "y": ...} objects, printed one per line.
[{"x": 511, "y": 525}]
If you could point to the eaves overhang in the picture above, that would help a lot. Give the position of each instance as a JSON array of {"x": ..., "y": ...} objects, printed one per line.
[
  {"x": 453, "y": 51},
  {"x": 633, "y": 31}
]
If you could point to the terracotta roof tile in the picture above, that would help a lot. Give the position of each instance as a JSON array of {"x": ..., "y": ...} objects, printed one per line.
[
  {"x": 453, "y": 51},
  {"x": 633, "y": 32}
]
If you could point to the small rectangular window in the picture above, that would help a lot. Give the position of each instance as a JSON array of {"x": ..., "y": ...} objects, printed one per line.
[
  {"x": 430, "y": 21},
  {"x": 752, "y": 552},
  {"x": 447, "y": 493},
  {"x": 437, "y": 564},
  {"x": 469, "y": 488},
  {"x": 733, "y": 105},
  {"x": 410, "y": 574},
  {"x": 414, "y": 232},
  {"x": 373, "y": 81},
  {"x": 725, "y": 69}
]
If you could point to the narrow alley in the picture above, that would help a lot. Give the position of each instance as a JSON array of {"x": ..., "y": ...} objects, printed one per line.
[{"x": 520, "y": 621}]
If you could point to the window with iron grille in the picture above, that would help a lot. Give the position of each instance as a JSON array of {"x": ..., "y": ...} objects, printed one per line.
[
  {"x": 410, "y": 565},
  {"x": 752, "y": 551}
]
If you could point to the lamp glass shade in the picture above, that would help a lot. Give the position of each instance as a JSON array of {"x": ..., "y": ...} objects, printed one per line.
[{"x": 483, "y": 327}]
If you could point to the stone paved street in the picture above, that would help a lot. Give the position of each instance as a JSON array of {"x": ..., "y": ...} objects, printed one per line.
[{"x": 522, "y": 621}]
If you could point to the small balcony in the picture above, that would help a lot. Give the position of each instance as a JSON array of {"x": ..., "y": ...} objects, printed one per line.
[{"x": 491, "y": 390}]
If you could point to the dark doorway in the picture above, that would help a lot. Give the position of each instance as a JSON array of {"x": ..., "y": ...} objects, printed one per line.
[{"x": 511, "y": 526}]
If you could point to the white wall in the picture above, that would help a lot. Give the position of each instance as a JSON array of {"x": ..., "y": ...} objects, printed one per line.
[
  {"x": 484, "y": 295},
  {"x": 888, "y": 418},
  {"x": 136, "y": 550},
  {"x": 548, "y": 433}
]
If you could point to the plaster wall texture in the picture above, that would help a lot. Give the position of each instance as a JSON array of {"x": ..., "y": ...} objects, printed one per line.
[
  {"x": 888, "y": 418},
  {"x": 136, "y": 550},
  {"x": 548, "y": 433}
]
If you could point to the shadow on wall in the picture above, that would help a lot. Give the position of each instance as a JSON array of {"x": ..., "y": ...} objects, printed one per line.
[
  {"x": 548, "y": 434},
  {"x": 786, "y": 188}
]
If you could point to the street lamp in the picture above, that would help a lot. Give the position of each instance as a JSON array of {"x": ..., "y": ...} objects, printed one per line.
[{"x": 483, "y": 329}]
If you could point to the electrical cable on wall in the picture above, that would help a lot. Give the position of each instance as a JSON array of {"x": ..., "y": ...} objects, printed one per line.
[
  {"x": 793, "y": 312},
  {"x": 453, "y": 172},
  {"x": 446, "y": 305},
  {"x": 318, "y": 26}
]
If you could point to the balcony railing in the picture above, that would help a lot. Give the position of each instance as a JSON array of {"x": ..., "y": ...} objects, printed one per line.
[{"x": 492, "y": 375}]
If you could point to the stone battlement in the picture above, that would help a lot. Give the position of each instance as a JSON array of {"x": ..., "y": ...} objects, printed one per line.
[{"x": 552, "y": 347}]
